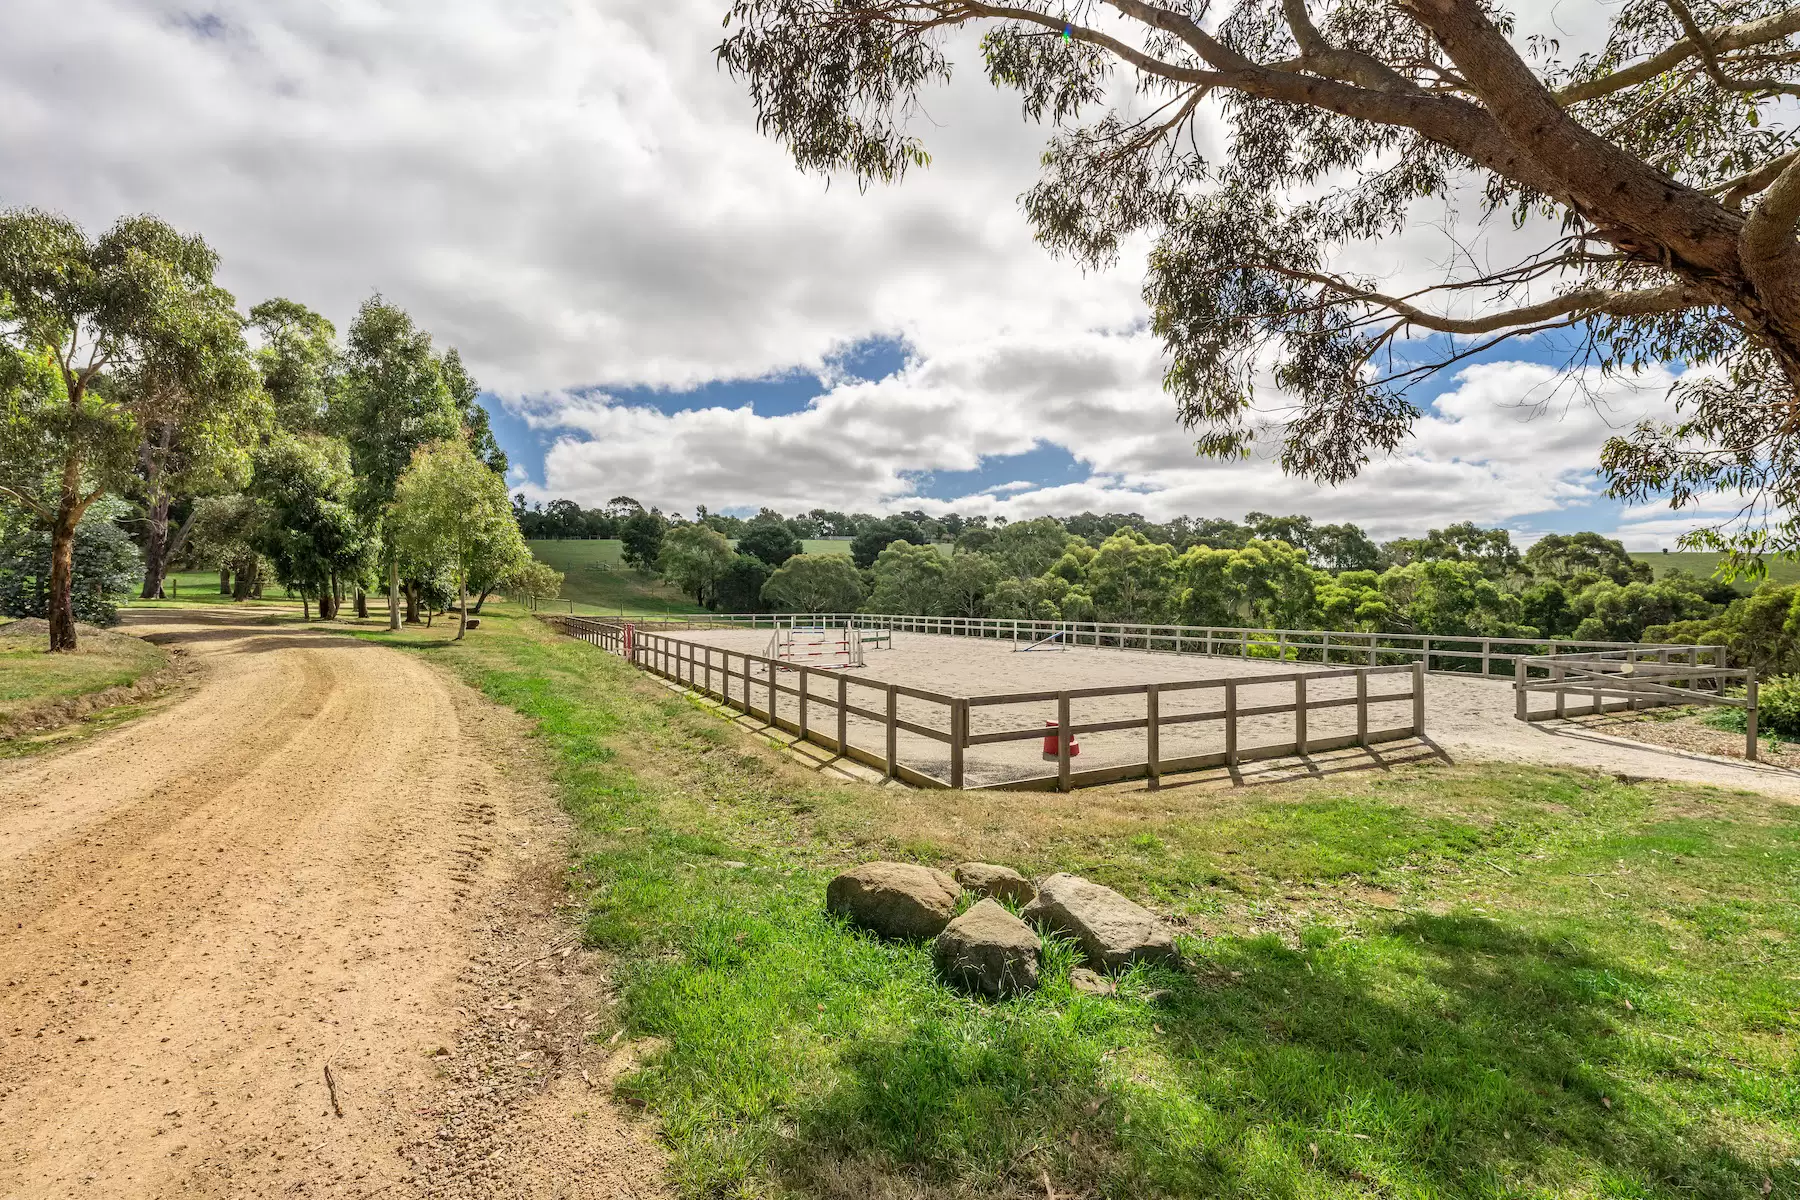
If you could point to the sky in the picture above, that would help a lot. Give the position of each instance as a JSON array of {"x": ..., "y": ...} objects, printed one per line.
[{"x": 659, "y": 305}]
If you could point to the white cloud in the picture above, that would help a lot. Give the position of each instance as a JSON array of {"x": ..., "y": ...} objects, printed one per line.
[{"x": 1511, "y": 441}]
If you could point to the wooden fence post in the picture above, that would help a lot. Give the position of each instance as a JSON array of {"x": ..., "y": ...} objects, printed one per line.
[
  {"x": 959, "y": 731},
  {"x": 893, "y": 731},
  {"x": 1749, "y": 712},
  {"x": 1487, "y": 657},
  {"x": 1231, "y": 725},
  {"x": 843, "y": 715},
  {"x": 1062, "y": 741},
  {"x": 1362, "y": 709},
  {"x": 771, "y": 668},
  {"x": 1418, "y": 699},
  {"x": 1300, "y": 715},
  {"x": 803, "y": 686},
  {"x": 1556, "y": 677},
  {"x": 1153, "y": 734},
  {"x": 1521, "y": 697}
]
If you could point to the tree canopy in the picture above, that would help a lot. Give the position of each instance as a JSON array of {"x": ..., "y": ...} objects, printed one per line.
[
  {"x": 115, "y": 351},
  {"x": 451, "y": 512},
  {"x": 309, "y": 528},
  {"x": 1651, "y": 172},
  {"x": 815, "y": 583}
]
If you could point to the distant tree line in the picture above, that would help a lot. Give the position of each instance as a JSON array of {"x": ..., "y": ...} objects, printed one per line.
[{"x": 1263, "y": 571}]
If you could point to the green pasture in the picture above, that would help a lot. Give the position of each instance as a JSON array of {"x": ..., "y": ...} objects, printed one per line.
[
  {"x": 595, "y": 577},
  {"x": 1704, "y": 563},
  {"x": 182, "y": 588},
  {"x": 1470, "y": 981}
]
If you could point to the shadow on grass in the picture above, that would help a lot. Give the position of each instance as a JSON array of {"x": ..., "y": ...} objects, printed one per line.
[{"x": 1448, "y": 1056}]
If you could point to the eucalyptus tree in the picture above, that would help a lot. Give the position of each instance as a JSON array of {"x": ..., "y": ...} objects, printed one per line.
[
  {"x": 105, "y": 341},
  {"x": 310, "y": 529},
  {"x": 198, "y": 427},
  {"x": 392, "y": 398},
  {"x": 300, "y": 362},
  {"x": 452, "y": 514},
  {"x": 694, "y": 558},
  {"x": 815, "y": 583},
  {"x": 1655, "y": 177}
]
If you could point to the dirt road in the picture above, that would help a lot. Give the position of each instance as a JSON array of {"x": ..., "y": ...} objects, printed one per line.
[{"x": 310, "y": 860}]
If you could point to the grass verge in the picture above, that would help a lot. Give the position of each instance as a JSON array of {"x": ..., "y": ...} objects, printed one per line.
[
  {"x": 32, "y": 678},
  {"x": 1469, "y": 982}
]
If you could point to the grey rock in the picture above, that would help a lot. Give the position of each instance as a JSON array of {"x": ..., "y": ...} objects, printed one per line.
[
  {"x": 895, "y": 900},
  {"x": 1002, "y": 883},
  {"x": 1112, "y": 930},
  {"x": 1084, "y": 980},
  {"x": 988, "y": 950}
]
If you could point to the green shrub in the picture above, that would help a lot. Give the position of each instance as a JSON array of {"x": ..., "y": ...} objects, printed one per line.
[
  {"x": 1777, "y": 710},
  {"x": 1778, "y": 706},
  {"x": 107, "y": 567}
]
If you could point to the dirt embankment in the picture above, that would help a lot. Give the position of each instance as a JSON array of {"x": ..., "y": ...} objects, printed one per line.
[{"x": 313, "y": 861}]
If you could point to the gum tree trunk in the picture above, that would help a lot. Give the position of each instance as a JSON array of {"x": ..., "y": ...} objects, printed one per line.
[
  {"x": 62, "y": 578},
  {"x": 394, "y": 593},
  {"x": 462, "y": 604},
  {"x": 156, "y": 549},
  {"x": 69, "y": 508}
]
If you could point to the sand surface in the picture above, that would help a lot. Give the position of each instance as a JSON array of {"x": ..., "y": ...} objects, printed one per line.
[
  {"x": 310, "y": 859},
  {"x": 1467, "y": 717}
]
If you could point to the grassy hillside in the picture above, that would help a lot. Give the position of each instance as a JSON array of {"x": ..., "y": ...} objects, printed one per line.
[
  {"x": 1452, "y": 982},
  {"x": 1702, "y": 563},
  {"x": 595, "y": 576}
]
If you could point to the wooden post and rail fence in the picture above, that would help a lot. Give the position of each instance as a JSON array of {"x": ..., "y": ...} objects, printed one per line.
[
  {"x": 754, "y": 684},
  {"x": 1490, "y": 657},
  {"x": 1591, "y": 683}
]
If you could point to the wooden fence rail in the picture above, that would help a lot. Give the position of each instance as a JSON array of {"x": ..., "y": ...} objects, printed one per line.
[
  {"x": 754, "y": 684},
  {"x": 1620, "y": 681},
  {"x": 1487, "y": 656}
]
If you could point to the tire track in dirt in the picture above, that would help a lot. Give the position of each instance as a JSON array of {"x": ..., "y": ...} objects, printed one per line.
[{"x": 311, "y": 859}]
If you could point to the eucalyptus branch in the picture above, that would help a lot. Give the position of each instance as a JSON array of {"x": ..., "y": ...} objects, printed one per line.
[
  {"x": 1720, "y": 38},
  {"x": 1708, "y": 57},
  {"x": 1768, "y": 237},
  {"x": 1583, "y": 303},
  {"x": 1737, "y": 190},
  {"x": 27, "y": 502},
  {"x": 1317, "y": 54}
]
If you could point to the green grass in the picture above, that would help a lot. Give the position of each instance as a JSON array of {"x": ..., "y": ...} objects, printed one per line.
[
  {"x": 1703, "y": 563},
  {"x": 31, "y": 677},
  {"x": 1437, "y": 982},
  {"x": 183, "y": 589},
  {"x": 596, "y": 577}
]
